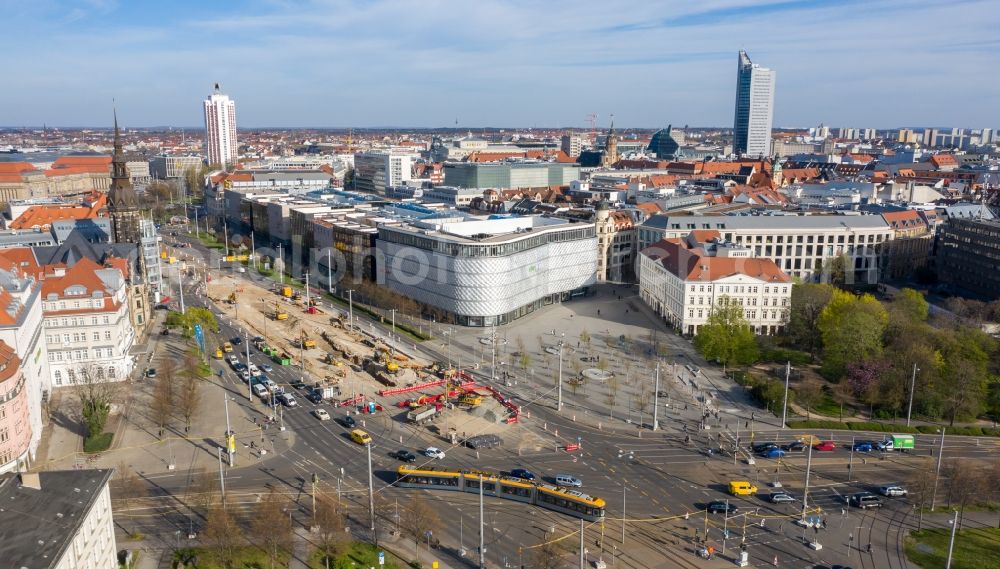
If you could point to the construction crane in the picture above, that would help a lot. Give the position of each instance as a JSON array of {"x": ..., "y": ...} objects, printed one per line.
[{"x": 592, "y": 119}]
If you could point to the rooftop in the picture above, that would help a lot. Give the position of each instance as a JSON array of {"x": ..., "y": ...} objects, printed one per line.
[{"x": 41, "y": 518}]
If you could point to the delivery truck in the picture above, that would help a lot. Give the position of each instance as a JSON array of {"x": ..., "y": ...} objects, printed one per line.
[{"x": 900, "y": 443}]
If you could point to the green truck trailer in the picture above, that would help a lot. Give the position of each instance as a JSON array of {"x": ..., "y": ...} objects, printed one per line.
[{"x": 901, "y": 443}]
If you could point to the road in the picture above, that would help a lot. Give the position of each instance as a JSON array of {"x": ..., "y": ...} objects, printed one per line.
[{"x": 655, "y": 483}]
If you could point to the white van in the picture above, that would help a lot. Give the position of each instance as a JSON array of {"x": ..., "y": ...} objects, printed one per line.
[
  {"x": 567, "y": 480},
  {"x": 260, "y": 391}
]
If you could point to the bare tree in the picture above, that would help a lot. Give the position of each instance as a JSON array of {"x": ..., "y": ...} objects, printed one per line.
[
  {"x": 549, "y": 554},
  {"x": 271, "y": 528},
  {"x": 612, "y": 385},
  {"x": 809, "y": 393},
  {"x": 162, "y": 405},
  {"x": 329, "y": 517},
  {"x": 189, "y": 399},
  {"x": 965, "y": 481},
  {"x": 418, "y": 519},
  {"x": 202, "y": 491},
  {"x": 128, "y": 487},
  {"x": 221, "y": 537},
  {"x": 96, "y": 394}
]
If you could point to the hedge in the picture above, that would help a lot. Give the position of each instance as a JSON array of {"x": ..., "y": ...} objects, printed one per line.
[
  {"x": 894, "y": 428},
  {"x": 100, "y": 443}
]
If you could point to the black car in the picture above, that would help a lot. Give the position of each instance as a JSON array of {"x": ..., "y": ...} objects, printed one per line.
[
  {"x": 797, "y": 446},
  {"x": 315, "y": 396},
  {"x": 349, "y": 421},
  {"x": 404, "y": 455},
  {"x": 298, "y": 384},
  {"x": 762, "y": 447},
  {"x": 720, "y": 507},
  {"x": 236, "y": 341}
]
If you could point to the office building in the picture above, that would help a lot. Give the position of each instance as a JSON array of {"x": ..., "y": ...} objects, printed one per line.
[
  {"x": 571, "y": 144},
  {"x": 168, "y": 167},
  {"x": 485, "y": 272},
  {"x": 615, "y": 244},
  {"x": 376, "y": 171},
  {"x": 803, "y": 246},
  {"x": 754, "y": 108},
  {"x": 504, "y": 175},
  {"x": 666, "y": 143},
  {"x": 57, "y": 519},
  {"x": 968, "y": 255},
  {"x": 220, "y": 129},
  {"x": 684, "y": 279}
]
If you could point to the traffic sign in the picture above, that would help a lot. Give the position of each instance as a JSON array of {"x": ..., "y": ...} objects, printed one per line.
[{"x": 381, "y": 558}]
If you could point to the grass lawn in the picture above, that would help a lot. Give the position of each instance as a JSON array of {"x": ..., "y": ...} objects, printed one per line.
[
  {"x": 830, "y": 408},
  {"x": 248, "y": 558},
  {"x": 974, "y": 548},
  {"x": 100, "y": 443},
  {"x": 360, "y": 555}
]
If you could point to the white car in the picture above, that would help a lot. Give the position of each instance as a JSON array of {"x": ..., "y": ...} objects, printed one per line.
[
  {"x": 892, "y": 491},
  {"x": 567, "y": 480},
  {"x": 321, "y": 414},
  {"x": 434, "y": 452},
  {"x": 288, "y": 400},
  {"x": 245, "y": 375}
]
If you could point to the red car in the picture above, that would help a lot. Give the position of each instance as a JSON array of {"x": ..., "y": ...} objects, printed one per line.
[{"x": 825, "y": 446}]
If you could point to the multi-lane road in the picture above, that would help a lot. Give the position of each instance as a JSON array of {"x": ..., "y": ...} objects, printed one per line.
[{"x": 656, "y": 484}]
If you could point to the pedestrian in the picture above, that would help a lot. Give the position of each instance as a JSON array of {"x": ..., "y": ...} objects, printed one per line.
[
  {"x": 747, "y": 426},
  {"x": 869, "y": 548},
  {"x": 823, "y": 523},
  {"x": 255, "y": 420}
]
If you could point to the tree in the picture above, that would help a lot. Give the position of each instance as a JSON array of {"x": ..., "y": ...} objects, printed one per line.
[
  {"x": 967, "y": 354},
  {"x": 129, "y": 487},
  {"x": 808, "y": 394},
  {"x": 549, "y": 554},
  {"x": 921, "y": 488},
  {"x": 331, "y": 539},
  {"x": 966, "y": 480},
  {"x": 96, "y": 394},
  {"x": 419, "y": 519},
  {"x": 807, "y": 302},
  {"x": 726, "y": 337},
  {"x": 841, "y": 393},
  {"x": 221, "y": 536},
  {"x": 201, "y": 491},
  {"x": 525, "y": 361},
  {"x": 585, "y": 337},
  {"x": 271, "y": 528},
  {"x": 911, "y": 304},
  {"x": 189, "y": 399},
  {"x": 852, "y": 329},
  {"x": 162, "y": 405}
]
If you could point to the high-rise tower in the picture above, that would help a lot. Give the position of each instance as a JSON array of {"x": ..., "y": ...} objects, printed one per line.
[
  {"x": 754, "y": 108},
  {"x": 220, "y": 128},
  {"x": 123, "y": 204}
]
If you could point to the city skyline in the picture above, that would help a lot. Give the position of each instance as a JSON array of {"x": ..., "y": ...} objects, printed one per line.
[{"x": 384, "y": 65}]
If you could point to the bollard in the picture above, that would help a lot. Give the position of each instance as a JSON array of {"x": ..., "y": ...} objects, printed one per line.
[
  {"x": 557, "y": 432},
  {"x": 599, "y": 426},
  {"x": 574, "y": 418}
]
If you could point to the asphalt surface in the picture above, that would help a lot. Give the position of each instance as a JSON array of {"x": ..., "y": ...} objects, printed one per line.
[{"x": 652, "y": 480}]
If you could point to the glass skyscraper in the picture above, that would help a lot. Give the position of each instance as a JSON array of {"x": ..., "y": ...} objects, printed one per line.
[{"x": 754, "y": 108}]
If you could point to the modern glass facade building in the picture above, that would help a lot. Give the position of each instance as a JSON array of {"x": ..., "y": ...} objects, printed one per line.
[
  {"x": 505, "y": 175},
  {"x": 754, "y": 108}
]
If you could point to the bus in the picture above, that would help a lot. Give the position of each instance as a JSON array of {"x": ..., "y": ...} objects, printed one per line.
[{"x": 563, "y": 500}]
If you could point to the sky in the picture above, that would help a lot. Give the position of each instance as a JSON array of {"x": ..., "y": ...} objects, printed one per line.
[{"x": 502, "y": 63}]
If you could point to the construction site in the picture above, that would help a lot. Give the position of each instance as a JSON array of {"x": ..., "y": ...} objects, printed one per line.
[{"x": 345, "y": 366}]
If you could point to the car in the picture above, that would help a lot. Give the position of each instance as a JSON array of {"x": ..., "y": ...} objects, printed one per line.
[
  {"x": 434, "y": 452},
  {"x": 741, "y": 488},
  {"x": 774, "y": 453},
  {"x": 151, "y": 373},
  {"x": 239, "y": 366},
  {"x": 260, "y": 391},
  {"x": 892, "y": 490},
  {"x": 245, "y": 375},
  {"x": 865, "y": 500},
  {"x": 298, "y": 384},
  {"x": 780, "y": 497},
  {"x": 404, "y": 455},
  {"x": 567, "y": 480},
  {"x": 267, "y": 368},
  {"x": 825, "y": 446},
  {"x": 315, "y": 396},
  {"x": 522, "y": 473},
  {"x": 349, "y": 421},
  {"x": 236, "y": 340},
  {"x": 721, "y": 507},
  {"x": 257, "y": 339},
  {"x": 361, "y": 437},
  {"x": 797, "y": 446},
  {"x": 693, "y": 369},
  {"x": 165, "y": 332},
  {"x": 863, "y": 447},
  {"x": 288, "y": 400},
  {"x": 762, "y": 447},
  {"x": 322, "y": 414}
]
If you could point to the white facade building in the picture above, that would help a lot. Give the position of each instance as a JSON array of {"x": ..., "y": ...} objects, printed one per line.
[
  {"x": 484, "y": 272},
  {"x": 754, "y": 108},
  {"x": 88, "y": 328},
  {"x": 377, "y": 170},
  {"x": 220, "y": 129},
  {"x": 801, "y": 245},
  {"x": 682, "y": 280}
]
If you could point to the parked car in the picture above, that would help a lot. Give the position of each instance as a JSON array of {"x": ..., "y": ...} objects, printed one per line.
[
  {"x": 404, "y": 455},
  {"x": 434, "y": 452},
  {"x": 797, "y": 446},
  {"x": 321, "y": 414},
  {"x": 267, "y": 368},
  {"x": 825, "y": 446},
  {"x": 522, "y": 473},
  {"x": 892, "y": 490},
  {"x": 865, "y": 500},
  {"x": 236, "y": 340},
  {"x": 780, "y": 497},
  {"x": 151, "y": 372},
  {"x": 762, "y": 447},
  {"x": 165, "y": 332},
  {"x": 721, "y": 507},
  {"x": 567, "y": 480}
]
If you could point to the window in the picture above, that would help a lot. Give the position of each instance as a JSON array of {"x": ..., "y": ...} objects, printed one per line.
[
  {"x": 107, "y": 334},
  {"x": 97, "y": 336},
  {"x": 58, "y": 376}
]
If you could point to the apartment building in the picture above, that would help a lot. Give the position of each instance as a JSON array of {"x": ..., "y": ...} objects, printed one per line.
[
  {"x": 801, "y": 245},
  {"x": 683, "y": 279},
  {"x": 15, "y": 418},
  {"x": 88, "y": 328},
  {"x": 615, "y": 244}
]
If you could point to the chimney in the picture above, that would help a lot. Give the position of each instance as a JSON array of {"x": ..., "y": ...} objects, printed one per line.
[{"x": 31, "y": 480}]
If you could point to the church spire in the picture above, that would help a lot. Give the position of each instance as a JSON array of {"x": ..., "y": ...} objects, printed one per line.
[{"x": 123, "y": 203}]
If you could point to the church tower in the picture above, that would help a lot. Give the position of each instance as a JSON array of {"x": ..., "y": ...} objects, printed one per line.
[
  {"x": 123, "y": 204},
  {"x": 610, "y": 156}
]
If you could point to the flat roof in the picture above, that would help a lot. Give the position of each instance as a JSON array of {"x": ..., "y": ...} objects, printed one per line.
[
  {"x": 37, "y": 526},
  {"x": 486, "y": 230},
  {"x": 777, "y": 222}
]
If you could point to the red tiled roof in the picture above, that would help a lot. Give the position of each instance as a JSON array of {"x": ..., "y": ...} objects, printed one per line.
[
  {"x": 941, "y": 160},
  {"x": 20, "y": 260},
  {"x": 42, "y": 216},
  {"x": 689, "y": 263},
  {"x": 9, "y": 362},
  {"x": 650, "y": 208}
]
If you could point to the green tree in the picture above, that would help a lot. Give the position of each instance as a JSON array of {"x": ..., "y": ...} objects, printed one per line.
[
  {"x": 967, "y": 355},
  {"x": 912, "y": 304},
  {"x": 727, "y": 337},
  {"x": 852, "y": 328},
  {"x": 808, "y": 301}
]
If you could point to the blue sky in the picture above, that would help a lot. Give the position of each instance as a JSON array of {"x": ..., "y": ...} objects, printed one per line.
[{"x": 332, "y": 63}]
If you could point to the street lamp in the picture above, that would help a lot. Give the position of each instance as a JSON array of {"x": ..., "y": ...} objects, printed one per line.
[
  {"x": 951, "y": 542},
  {"x": 913, "y": 384}
]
